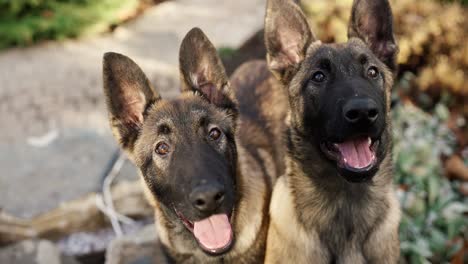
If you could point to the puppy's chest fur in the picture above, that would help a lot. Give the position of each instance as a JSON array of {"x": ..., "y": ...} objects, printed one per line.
[
  {"x": 328, "y": 227},
  {"x": 345, "y": 223}
]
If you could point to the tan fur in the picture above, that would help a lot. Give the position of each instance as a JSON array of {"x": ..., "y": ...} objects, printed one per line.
[
  {"x": 262, "y": 105},
  {"x": 290, "y": 241},
  {"x": 286, "y": 236}
]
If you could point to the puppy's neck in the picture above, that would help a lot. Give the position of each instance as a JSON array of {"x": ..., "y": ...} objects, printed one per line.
[{"x": 315, "y": 182}]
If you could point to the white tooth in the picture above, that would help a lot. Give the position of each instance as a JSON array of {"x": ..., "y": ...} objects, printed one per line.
[{"x": 369, "y": 141}]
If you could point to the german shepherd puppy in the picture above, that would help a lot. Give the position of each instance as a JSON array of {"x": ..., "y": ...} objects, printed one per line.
[
  {"x": 335, "y": 203},
  {"x": 210, "y": 194}
]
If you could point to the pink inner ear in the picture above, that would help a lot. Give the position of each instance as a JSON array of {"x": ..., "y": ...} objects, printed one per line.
[
  {"x": 290, "y": 50},
  {"x": 290, "y": 46},
  {"x": 371, "y": 27},
  {"x": 211, "y": 93},
  {"x": 132, "y": 107},
  {"x": 132, "y": 117},
  {"x": 384, "y": 49}
]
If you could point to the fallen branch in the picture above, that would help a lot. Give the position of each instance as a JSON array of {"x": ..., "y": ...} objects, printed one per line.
[{"x": 79, "y": 215}]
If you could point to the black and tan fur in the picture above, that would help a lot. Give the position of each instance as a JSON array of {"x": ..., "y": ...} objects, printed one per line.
[
  {"x": 139, "y": 118},
  {"x": 321, "y": 213}
]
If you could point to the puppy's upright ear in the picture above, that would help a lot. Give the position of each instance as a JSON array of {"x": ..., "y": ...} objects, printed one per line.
[
  {"x": 287, "y": 37},
  {"x": 372, "y": 21},
  {"x": 203, "y": 73},
  {"x": 128, "y": 95}
]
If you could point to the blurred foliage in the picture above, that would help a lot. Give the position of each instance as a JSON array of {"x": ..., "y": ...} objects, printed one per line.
[
  {"x": 433, "y": 44},
  {"x": 23, "y": 22},
  {"x": 463, "y": 2},
  {"x": 226, "y": 52},
  {"x": 434, "y": 223},
  {"x": 432, "y": 37}
]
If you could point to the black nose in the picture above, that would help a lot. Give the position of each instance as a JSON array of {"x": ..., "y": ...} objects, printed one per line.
[
  {"x": 359, "y": 110},
  {"x": 207, "y": 198}
]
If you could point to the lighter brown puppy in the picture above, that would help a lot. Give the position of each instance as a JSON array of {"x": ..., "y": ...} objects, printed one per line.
[{"x": 336, "y": 202}]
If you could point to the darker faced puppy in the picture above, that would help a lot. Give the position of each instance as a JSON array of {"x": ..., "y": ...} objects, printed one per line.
[
  {"x": 185, "y": 147},
  {"x": 339, "y": 93}
]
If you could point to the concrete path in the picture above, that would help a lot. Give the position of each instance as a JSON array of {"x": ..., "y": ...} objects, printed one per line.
[{"x": 54, "y": 139}]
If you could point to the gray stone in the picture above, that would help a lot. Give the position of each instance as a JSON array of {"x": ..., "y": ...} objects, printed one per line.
[
  {"x": 34, "y": 252},
  {"x": 67, "y": 168},
  {"x": 139, "y": 248},
  {"x": 88, "y": 243}
]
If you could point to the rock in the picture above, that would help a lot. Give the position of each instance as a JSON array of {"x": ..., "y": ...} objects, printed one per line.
[
  {"x": 34, "y": 252},
  {"x": 139, "y": 248},
  {"x": 88, "y": 243},
  {"x": 38, "y": 179}
]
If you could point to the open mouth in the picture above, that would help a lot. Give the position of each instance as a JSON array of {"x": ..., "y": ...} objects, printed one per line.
[
  {"x": 356, "y": 155},
  {"x": 213, "y": 234}
]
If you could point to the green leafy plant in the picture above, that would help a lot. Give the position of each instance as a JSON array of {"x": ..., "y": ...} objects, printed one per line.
[
  {"x": 23, "y": 22},
  {"x": 433, "y": 224}
]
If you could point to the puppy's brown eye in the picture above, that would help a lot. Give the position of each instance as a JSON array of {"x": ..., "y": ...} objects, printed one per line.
[
  {"x": 214, "y": 134},
  {"x": 162, "y": 148},
  {"x": 372, "y": 72},
  {"x": 318, "y": 77}
]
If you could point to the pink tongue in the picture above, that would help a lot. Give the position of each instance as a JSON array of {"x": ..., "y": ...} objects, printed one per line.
[
  {"x": 356, "y": 153},
  {"x": 213, "y": 232}
]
